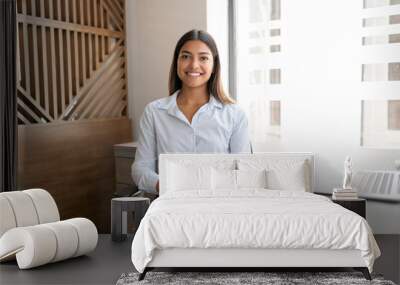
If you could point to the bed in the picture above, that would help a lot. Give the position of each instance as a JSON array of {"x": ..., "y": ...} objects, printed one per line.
[{"x": 248, "y": 210}]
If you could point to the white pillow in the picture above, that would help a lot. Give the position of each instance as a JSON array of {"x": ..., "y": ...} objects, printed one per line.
[
  {"x": 287, "y": 179},
  {"x": 282, "y": 174},
  {"x": 182, "y": 177},
  {"x": 235, "y": 179},
  {"x": 251, "y": 178},
  {"x": 223, "y": 179}
]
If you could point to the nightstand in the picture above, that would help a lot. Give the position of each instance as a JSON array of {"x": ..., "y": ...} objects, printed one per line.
[
  {"x": 124, "y": 157},
  {"x": 119, "y": 210},
  {"x": 358, "y": 206}
]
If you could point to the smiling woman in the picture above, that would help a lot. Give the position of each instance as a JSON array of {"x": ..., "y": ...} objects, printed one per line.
[
  {"x": 196, "y": 51},
  {"x": 195, "y": 64},
  {"x": 197, "y": 117},
  {"x": 195, "y": 67}
]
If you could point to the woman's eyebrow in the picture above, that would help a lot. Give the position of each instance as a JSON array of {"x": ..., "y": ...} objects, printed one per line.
[{"x": 201, "y": 53}]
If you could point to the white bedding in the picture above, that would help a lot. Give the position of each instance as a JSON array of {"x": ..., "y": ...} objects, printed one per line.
[{"x": 251, "y": 218}]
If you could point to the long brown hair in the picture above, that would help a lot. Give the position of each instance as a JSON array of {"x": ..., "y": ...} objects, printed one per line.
[{"x": 214, "y": 84}]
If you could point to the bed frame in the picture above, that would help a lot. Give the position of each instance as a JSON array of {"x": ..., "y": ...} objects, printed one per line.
[
  {"x": 246, "y": 258},
  {"x": 242, "y": 259}
]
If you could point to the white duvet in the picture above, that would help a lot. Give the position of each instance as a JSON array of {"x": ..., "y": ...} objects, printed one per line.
[{"x": 251, "y": 218}]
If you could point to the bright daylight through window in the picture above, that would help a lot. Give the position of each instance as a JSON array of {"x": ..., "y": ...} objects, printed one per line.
[{"x": 299, "y": 69}]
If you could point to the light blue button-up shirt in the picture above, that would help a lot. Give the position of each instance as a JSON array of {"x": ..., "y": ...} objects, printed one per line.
[{"x": 163, "y": 128}]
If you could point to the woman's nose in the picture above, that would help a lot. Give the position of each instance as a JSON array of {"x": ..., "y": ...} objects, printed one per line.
[{"x": 194, "y": 63}]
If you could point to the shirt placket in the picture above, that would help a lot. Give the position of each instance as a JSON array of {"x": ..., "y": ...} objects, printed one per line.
[
  {"x": 194, "y": 139},
  {"x": 194, "y": 131},
  {"x": 194, "y": 125}
]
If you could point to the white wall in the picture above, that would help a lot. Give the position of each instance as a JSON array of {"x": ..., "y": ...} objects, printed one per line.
[{"x": 153, "y": 28}]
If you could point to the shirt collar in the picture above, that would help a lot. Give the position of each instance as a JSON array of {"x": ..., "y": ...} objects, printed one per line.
[
  {"x": 170, "y": 102},
  {"x": 215, "y": 102}
]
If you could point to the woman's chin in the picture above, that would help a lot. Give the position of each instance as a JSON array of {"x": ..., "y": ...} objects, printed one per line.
[{"x": 192, "y": 84}]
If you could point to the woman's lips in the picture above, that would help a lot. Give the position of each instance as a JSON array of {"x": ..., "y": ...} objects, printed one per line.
[{"x": 194, "y": 74}]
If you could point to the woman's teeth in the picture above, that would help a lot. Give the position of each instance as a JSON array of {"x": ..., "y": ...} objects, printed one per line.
[{"x": 193, "y": 74}]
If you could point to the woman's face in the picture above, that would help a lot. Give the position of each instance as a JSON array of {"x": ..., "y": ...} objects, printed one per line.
[{"x": 195, "y": 64}]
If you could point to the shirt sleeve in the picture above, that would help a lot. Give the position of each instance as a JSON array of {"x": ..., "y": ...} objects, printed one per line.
[
  {"x": 240, "y": 141},
  {"x": 144, "y": 168}
]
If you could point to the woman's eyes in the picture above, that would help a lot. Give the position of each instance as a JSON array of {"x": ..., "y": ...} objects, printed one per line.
[{"x": 186, "y": 56}]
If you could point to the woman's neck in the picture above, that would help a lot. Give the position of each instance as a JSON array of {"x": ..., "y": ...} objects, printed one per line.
[{"x": 193, "y": 96}]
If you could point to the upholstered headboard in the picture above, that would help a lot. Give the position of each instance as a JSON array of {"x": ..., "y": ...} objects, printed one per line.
[{"x": 168, "y": 163}]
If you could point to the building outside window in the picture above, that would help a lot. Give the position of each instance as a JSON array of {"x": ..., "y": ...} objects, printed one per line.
[{"x": 300, "y": 69}]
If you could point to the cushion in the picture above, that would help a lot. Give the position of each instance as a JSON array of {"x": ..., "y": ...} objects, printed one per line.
[
  {"x": 227, "y": 179},
  {"x": 87, "y": 234},
  {"x": 287, "y": 179},
  {"x": 223, "y": 179},
  {"x": 7, "y": 220},
  {"x": 67, "y": 240},
  {"x": 40, "y": 244},
  {"x": 26, "y": 208},
  {"x": 34, "y": 244},
  {"x": 184, "y": 177},
  {"x": 23, "y": 208},
  {"x": 252, "y": 178},
  {"x": 46, "y": 207},
  {"x": 282, "y": 174}
]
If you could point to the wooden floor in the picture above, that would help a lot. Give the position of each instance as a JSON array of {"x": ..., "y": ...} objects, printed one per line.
[{"x": 111, "y": 259}]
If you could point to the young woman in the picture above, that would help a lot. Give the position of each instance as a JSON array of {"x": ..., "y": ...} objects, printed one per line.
[{"x": 197, "y": 117}]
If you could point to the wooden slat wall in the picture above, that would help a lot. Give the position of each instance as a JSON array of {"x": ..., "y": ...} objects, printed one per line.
[
  {"x": 72, "y": 102},
  {"x": 64, "y": 47}
]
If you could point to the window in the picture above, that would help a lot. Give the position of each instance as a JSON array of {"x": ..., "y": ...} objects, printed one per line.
[
  {"x": 380, "y": 77},
  {"x": 275, "y": 76},
  {"x": 381, "y": 72},
  {"x": 259, "y": 48},
  {"x": 379, "y": 3},
  {"x": 382, "y": 39},
  {"x": 275, "y": 111},
  {"x": 300, "y": 70},
  {"x": 381, "y": 123},
  {"x": 394, "y": 115},
  {"x": 275, "y": 32}
]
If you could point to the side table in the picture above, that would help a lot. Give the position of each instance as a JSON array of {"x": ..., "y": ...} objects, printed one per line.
[
  {"x": 119, "y": 211},
  {"x": 124, "y": 157},
  {"x": 356, "y": 205}
]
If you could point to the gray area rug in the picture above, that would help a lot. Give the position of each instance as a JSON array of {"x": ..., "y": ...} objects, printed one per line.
[{"x": 273, "y": 278}]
